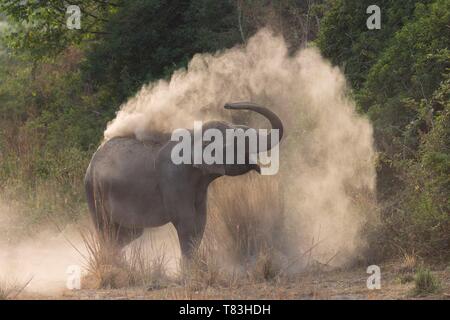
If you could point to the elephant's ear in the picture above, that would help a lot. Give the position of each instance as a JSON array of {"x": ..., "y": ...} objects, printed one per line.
[
  {"x": 214, "y": 168},
  {"x": 211, "y": 168}
]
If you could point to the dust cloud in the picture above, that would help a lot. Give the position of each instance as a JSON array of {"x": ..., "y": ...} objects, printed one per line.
[
  {"x": 327, "y": 159},
  {"x": 39, "y": 261}
]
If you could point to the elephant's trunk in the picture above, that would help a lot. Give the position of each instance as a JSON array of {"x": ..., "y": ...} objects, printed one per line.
[{"x": 272, "y": 117}]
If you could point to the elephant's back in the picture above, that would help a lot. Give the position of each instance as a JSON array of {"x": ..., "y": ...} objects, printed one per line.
[{"x": 123, "y": 158}]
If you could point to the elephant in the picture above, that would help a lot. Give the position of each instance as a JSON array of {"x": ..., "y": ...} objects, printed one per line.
[{"x": 132, "y": 184}]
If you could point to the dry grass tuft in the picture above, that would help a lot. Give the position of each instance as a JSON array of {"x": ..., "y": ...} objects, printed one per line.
[
  {"x": 105, "y": 264},
  {"x": 6, "y": 290},
  {"x": 409, "y": 263},
  {"x": 208, "y": 268},
  {"x": 145, "y": 269},
  {"x": 265, "y": 268},
  {"x": 203, "y": 271},
  {"x": 112, "y": 268},
  {"x": 10, "y": 290}
]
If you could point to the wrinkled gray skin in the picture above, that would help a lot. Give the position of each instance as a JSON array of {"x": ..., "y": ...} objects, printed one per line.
[{"x": 132, "y": 185}]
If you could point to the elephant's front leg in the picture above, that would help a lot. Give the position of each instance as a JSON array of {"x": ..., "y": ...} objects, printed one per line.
[
  {"x": 190, "y": 229},
  {"x": 184, "y": 196},
  {"x": 188, "y": 215},
  {"x": 191, "y": 226}
]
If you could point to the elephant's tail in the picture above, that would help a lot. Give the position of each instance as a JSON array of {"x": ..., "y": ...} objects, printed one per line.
[
  {"x": 90, "y": 195},
  {"x": 96, "y": 201}
]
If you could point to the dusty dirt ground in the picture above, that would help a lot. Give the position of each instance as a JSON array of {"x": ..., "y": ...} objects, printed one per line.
[{"x": 333, "y": 284}]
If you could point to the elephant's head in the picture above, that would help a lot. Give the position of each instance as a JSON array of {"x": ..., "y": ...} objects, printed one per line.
[{"x": 239, "y": 168}]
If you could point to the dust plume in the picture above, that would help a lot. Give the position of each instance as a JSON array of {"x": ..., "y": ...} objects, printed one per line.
[
  {"x": 327, "y": 160},
  {"x": 41, "y": 258}
]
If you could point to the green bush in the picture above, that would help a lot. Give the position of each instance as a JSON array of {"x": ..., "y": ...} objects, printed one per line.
[{"x": 425, "y": 282}]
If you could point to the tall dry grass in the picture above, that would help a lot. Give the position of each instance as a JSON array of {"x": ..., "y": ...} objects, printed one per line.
[
  {"x": 11, "y": 289},
  {"x": 142, "y": 264},
  {"x": 246, "y": 235}
]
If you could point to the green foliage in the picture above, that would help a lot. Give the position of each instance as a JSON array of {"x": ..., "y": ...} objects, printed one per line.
[
  {"x": 412, "y": 67},
  {"x": 345, "y": 39},
  {"x": 148, "y": 40},
  {"x": 407, "y": 94},
  {"x": 40, "y": 27},
  {"x": 428, "y": 178}
]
